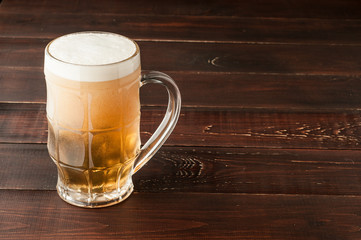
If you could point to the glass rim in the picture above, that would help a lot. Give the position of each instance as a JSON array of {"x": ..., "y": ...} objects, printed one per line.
[{"x": 93, "y": 65}]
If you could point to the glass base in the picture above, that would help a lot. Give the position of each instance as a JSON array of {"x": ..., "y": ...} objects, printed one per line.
[{"x": 94, "y": 200}]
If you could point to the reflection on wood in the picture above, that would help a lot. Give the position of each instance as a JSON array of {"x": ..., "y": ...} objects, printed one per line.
[
  {"x": 205, "y": 169},
  {"x": 26, "y": 123}
]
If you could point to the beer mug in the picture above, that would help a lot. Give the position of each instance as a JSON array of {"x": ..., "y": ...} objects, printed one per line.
[{"x": 93, "y": 112}]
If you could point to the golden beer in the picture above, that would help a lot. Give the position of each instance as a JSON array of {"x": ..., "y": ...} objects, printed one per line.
[
  {"x": 94, "y": 131},
  {"x": 93, "y": 112}
]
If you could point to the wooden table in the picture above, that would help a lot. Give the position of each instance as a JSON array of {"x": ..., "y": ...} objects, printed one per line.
[{"x": 268, "y": 142}]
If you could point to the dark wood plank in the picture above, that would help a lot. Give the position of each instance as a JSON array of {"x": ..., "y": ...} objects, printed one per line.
[
  {"x": 26, "y": 166},
  {"x": 268, "y": 128},
  {"x": 199, "y": 169},
  {"x": 214, "y": 57},
  {"x": 213, "y": 89},
  {"x": 42, "y": 214},
  {"x": 22, "y": 84},
  {"x": 185, "y": 28},
  {"x": 261, "y": 8},
  {"x": 25, "y": 124}
]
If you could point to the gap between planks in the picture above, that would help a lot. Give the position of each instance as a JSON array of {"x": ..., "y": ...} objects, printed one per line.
[{"x": 211, "y": 42}]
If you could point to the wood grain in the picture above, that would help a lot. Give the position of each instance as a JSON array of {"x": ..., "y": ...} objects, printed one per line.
[
  {"x": 42, "y": 214},
  {"x": 193, "y": 28},
  {"x": 214, "y": 57},
  {"x": 262, "y": 8},
  {"x": 267, "y": 128},
  {"x": 268, "y": 143},
  {"x": 207, "y": 170},
  {"x": 218, "y": 89}
]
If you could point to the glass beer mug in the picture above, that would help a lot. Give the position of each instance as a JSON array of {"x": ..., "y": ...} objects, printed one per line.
[{"x": 93, "y": 112}]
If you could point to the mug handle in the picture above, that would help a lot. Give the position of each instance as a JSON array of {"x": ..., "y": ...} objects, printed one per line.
[{"x": 169, "y": 121}]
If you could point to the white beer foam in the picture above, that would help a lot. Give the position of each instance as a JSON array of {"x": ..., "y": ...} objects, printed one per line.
[{"x": 92, "y": 56}]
